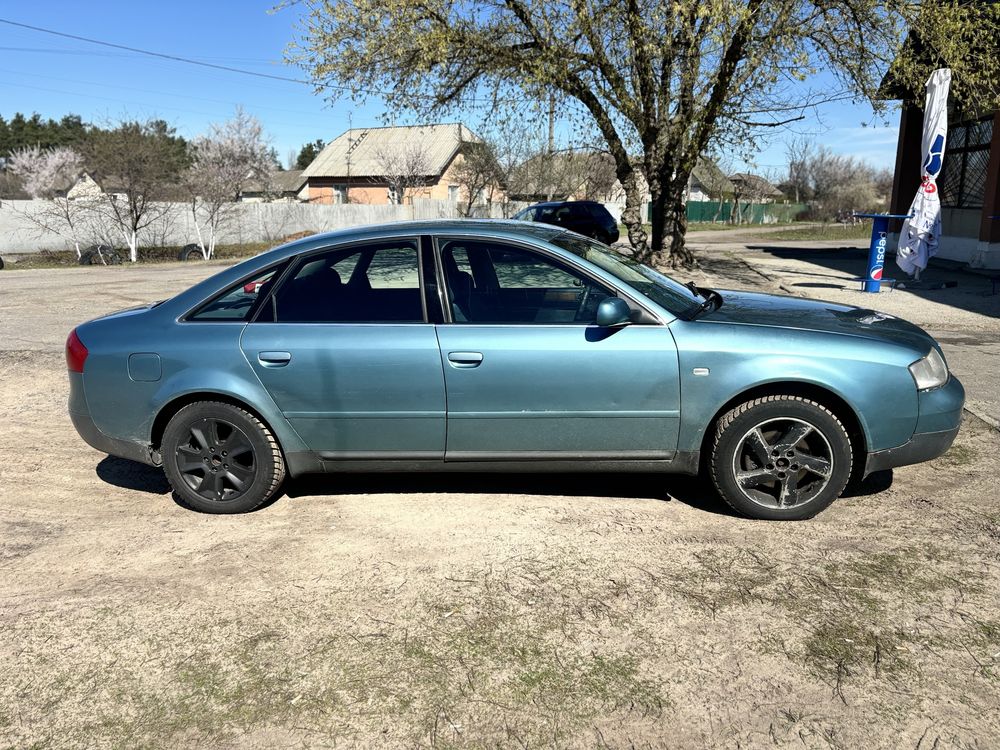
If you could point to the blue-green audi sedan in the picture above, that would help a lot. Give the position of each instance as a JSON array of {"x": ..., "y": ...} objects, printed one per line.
[{"x": 503, "y": 346}]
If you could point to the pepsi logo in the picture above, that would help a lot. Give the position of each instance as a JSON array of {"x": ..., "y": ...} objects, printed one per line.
[{"x": 876, "y": 273}]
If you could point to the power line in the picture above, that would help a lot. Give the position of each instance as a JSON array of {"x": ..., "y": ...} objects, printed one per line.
[
  {"x": 164, "y": 56},
  {"x": 216, "y": 66}
]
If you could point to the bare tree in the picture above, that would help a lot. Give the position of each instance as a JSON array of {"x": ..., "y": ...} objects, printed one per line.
[
  {"x": 230, "y": 156},
  {"x": 799, "y": 152},
  {"x": 480, "y": 176},
  {"x": 138, "y": 164},
  {"x": 405, "y": 168}
]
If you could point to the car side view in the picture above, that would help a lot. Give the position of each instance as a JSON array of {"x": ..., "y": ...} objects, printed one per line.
[{"x": 502, "y": 346}]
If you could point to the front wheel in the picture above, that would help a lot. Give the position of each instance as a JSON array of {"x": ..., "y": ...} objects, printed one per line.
[
  {"x": 220, "y": 458},
  {"x": 780, "y": 458}
]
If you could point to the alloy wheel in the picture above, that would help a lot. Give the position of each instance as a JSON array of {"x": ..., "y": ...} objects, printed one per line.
[
  {"x": 217, "y": 460},
  {"x": 782, "y": 463}
]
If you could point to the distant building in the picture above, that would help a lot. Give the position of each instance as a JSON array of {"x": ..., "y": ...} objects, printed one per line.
[
  {"x": 591, "y": 176},
  {"x": 708, "y": 183},
  {"x": 362, "y": 165},
  {"x": 88, "y": 186},
  {"x": 288, "y": 186},
  {"x": 752, "y": 188}
]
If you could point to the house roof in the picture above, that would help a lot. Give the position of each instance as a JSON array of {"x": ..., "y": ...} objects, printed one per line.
[
  {"x": 361, "y": 151},
  {"x": 711, "y": 178},
  {"x": 287, "y": 181},
  {"x": 752, "y": 184}
]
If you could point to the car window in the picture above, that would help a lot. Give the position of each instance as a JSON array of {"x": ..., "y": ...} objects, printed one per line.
[
  {"x": 513, "y": 285},
  {"x": 236, "y": 302},
  {"x": 601, "y": 214},
  {"x": 377, "y": 283},
  {"x": 660, "y": 288}
]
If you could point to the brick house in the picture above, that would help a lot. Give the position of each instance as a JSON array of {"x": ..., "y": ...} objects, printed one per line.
[{"x": 365, "y": 165}]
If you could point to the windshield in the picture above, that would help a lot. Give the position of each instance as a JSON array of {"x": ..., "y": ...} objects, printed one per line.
[{"x": 669, "y": 294}]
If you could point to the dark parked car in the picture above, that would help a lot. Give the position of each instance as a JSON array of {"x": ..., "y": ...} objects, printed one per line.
[{"x": 588, "y": 218}]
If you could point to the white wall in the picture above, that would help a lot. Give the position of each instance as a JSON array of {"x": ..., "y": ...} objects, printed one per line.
[{"x": 249, "y": 222}]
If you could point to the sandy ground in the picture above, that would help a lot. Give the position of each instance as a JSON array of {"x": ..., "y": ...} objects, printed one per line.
[{"x": 473, "y": 611}]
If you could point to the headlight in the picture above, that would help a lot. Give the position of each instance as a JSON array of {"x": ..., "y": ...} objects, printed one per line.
[{"x": 930, "y": 371}]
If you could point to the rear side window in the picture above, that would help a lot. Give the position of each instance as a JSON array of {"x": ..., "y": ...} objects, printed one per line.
[
  {"x": 236, "y": 303},
  {"x": 601, "y": 215},
  {"x": 378, "y": 283}
]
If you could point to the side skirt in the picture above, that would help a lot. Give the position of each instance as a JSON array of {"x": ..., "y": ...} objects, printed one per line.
[{"x": 683, "y": 462}]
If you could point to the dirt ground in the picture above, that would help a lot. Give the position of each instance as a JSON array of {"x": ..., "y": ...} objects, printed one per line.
[{"x": 489, "y": 611}]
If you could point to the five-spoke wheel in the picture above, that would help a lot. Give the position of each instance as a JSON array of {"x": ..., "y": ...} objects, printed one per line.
[
  {"x": 780, "y": 457},
  {"x": 220, "y": 458}
]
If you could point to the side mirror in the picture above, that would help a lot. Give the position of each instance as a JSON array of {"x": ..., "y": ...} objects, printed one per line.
[{"x": 613, "y": 311}]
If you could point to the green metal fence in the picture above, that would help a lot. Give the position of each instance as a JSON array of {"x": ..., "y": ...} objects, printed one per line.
[{"x": 722, "y": 212}]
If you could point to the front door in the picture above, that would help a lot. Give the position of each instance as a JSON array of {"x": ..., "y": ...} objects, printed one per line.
[
  {"x": 528, "y": 374},
  {"x": 344, "y": 350}
]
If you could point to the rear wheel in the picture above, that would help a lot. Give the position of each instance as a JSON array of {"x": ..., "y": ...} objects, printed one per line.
[
  {"x": 780, "y": 458},
  {"x": 220, "y": 458}
]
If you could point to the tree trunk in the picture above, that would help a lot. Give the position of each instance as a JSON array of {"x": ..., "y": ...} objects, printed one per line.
[
  {"x": 669, "y": 226},
  {"x": 632, "y": 218}
]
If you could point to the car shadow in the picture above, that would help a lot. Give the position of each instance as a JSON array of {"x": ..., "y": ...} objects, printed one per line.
[
  {"x": 132, "y": 475},
  {"x": 693, "y": 491}
]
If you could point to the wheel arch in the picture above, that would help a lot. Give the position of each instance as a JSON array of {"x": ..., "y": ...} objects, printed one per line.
[
  {"x": 170, "y": 408},
  {"x": 824, "y": 396}
]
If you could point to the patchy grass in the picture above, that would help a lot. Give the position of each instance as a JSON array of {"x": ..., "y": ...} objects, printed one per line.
[
  {"x": 958, "y": 455},
  {"x": 503, "y": 660},
  {"x": 862, "y": 231}
]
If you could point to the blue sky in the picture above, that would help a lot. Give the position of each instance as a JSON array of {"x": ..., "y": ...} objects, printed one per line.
[{"x": 55, "y": 76}]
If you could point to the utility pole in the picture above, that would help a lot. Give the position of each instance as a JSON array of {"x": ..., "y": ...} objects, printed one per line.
[
  {"x": 552, "y": 122},
  {"x": 350, "y": 150}
]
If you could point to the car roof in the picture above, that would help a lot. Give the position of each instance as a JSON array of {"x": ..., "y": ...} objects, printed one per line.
[
  {"x": 550, "y": 204},
  {"x": 491, "y": 227}
]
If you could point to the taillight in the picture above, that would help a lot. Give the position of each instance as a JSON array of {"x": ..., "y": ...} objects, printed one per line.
[{"x": 76, "y": 352}]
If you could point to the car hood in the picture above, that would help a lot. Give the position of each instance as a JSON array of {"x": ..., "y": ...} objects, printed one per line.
[{"x": 776, "y": 311}]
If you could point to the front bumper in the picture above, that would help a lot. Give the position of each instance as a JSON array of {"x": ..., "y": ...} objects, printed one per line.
[
  {"x": 939, "y": 420},
  {"x": 923, "y": 446}
]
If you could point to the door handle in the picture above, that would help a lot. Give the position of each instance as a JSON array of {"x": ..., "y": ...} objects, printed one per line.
[
  {"x": 465, "y": 360},
  {"x": 274, "y": 359}
]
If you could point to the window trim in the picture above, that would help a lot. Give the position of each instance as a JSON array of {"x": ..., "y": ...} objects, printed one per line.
[
  {"x": 296, "y": 262},
  {"x": 655, "y": 317},
  {"x": 187, "y": 317}
]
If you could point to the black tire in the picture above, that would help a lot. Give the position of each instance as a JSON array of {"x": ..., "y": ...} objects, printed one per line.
[
  {"x": 203, "y": 472},
  {"x": 780, "y": 458},
  {"x": 100, "y": 255},
  {"x": 190, "y": 252}
]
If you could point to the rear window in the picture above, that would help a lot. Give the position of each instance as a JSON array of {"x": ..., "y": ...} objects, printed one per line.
[{"x": 236, "y": 303}]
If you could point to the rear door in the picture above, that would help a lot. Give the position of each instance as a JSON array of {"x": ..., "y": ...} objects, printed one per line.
[
  {"x": 528, "y": 374},
  {"x": 345, "y": 350}
]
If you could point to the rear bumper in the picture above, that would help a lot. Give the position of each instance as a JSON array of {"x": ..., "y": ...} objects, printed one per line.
[{"x": 98, "y": 440}]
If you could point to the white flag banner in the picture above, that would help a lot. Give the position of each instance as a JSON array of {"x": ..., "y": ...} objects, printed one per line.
[{"x": 918, "y": 239}]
